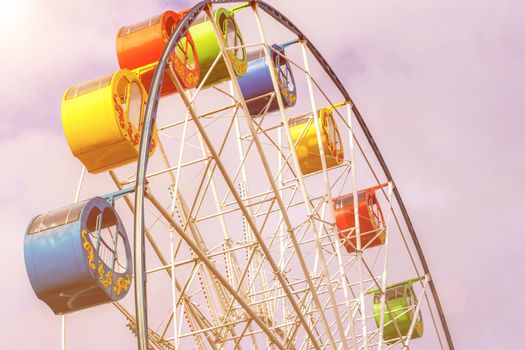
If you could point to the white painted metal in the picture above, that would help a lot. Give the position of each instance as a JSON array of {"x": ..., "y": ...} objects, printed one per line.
[{"x": 63, "y": 317}]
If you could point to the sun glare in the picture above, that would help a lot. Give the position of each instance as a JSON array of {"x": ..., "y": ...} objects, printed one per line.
[{"x": 11, "y": 12}]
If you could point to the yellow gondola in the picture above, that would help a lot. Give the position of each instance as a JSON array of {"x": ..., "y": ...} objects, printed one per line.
[
  {"x": 102, "y": 120},
  {"x": 304, "y": 137}
]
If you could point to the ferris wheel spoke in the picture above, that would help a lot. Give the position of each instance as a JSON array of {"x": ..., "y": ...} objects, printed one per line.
[
  {"x": 243, "y": 154},
  {"x": 197, "y": 123},
  {"x": 192, "y": 311},
  {"x": 306, "y": 302},
  {"x": 215, "y": 272},
  {"x": 209, "y": 173},
  {"x": 317, "y": 319},
  {"x": 154, "y": 337},
  {"x": 198, "y": 239}
]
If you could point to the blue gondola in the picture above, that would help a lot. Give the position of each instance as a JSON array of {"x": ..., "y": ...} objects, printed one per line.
[
  {"x": 256, "y": 85},
  {"x": 78, "y": 257}
]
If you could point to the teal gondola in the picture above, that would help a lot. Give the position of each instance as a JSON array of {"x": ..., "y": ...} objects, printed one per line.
[
  {"x": 257, "y": 87},
  {"x": 78, "y": 257}
]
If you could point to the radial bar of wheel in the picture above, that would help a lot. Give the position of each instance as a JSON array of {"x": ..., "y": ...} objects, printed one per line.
[
  {"x": 301, "y": 182},
  {"x": 191, "y": 308},
  {"x": 231, "y": 257},
  {"x": 246, "y": 197},
  {"x": 416, "y": 311},
  {"x": 385, "y": 264},
  {"x": 328, "y": 193},
  {"x": 270, "y": 178},
  {"x": 63, "y": 317},
  {"x": 288, "y": 24},
  {"x": 246, "y": 214},
  {"x": 358, "y": 235},
  {"x": 209, "y": 264}
]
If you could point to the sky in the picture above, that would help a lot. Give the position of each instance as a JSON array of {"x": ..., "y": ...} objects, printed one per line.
[{"x": 440, "y": 84}]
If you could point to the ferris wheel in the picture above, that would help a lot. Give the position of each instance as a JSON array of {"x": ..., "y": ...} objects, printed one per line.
[{"x": 251, "y": 208}]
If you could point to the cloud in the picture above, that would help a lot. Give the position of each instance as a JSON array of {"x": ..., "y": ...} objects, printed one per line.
[
  {"x": 52, "y": 45},
  {"x": 440, "y": 84}
]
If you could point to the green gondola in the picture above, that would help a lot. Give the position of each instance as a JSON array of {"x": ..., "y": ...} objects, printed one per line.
[
  {"x": 208, "y": 48},
  {"x": 400, "y": 304}
]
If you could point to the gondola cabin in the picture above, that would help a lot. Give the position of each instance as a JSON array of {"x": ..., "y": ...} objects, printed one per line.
[
  {"x": 257, "y": 86},
  {"x": 304, "y": 136},
  {"x": 140, "y": 47},
  {"x": 208, "y": 48},
  {"x": 400, "y": 304},
  {"x": 102, "y": 121},
  {"x": 371, "y": 222},
  {"x": 78, "y": 257}
]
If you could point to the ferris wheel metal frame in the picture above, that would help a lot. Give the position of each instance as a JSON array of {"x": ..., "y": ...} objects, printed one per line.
[
  {"x": 150, "y": 116},
  {"x": 302, "y": 301}
]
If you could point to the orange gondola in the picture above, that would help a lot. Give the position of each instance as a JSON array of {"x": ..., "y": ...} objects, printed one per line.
[
  {"x": 371, "y": 222},
  {"x": 140, "y": 46}
]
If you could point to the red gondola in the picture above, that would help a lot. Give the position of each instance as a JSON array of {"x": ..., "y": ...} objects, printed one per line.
[{"x": 371, "y": 222}]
